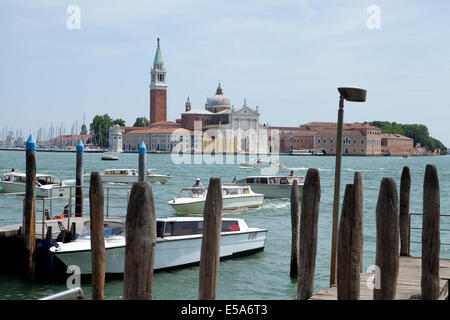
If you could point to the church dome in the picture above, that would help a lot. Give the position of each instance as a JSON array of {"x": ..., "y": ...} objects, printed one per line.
[{"x": 218, "y": 101}]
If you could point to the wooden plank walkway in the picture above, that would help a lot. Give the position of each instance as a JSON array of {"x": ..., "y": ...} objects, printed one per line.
[{"x": 408, "y": 285}]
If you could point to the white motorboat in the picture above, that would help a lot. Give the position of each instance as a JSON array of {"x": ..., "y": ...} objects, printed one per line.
[
  {"x": 258, "y": 163},
  {"x": 110, "y": 157},
  {"x": 178, "y": 243},
  {"x": 192, "y": 200},
  {"x": 306, "y": 152},
  {"x": 46, "y": 185},
  {"x": 129, "y": 176},
  {"x": 273, "y": 186}
]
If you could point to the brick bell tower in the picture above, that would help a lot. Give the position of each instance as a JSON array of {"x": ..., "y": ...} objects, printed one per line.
[{"x": 158, "y": 89}]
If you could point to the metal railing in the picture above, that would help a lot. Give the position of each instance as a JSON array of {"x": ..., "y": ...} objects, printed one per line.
[
  {"x": 75, "y": 292},
  {"x": 62, "y": 206},
  {"x": 420, "y": 228}
]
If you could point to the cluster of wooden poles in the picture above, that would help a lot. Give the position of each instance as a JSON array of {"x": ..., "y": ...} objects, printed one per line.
[{"x": 392, "y": 223}]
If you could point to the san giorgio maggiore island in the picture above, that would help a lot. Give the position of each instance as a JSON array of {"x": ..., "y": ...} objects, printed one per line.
[{"x": 220, "y": 127}]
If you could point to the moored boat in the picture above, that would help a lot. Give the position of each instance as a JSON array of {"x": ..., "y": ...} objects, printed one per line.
[
  {"x": 46, "y": 185},
  {"x": 129, "y": 176},
  {"x": 178, "y": 243},
  {"x": 272, "y": 186},
  {"x": 192, "y": 200}
]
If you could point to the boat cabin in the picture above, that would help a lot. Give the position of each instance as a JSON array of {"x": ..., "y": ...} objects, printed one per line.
[
  {"x": 43, "y": 180},
  {"x": 120, "y": 172},
  {"x": 235, "y": 190},
  {"x": 193, "y": 192},
  {"x": 167, "y": 227},
  {"x": 272, "y": 180},
  {"x": 172, "y": 228},
  {"x": 150, "y": 172},
  {"x": 16, "y": 177}
]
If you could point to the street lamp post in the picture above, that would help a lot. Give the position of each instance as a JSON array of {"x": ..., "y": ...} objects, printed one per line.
[{"x": 350, "y": 94}]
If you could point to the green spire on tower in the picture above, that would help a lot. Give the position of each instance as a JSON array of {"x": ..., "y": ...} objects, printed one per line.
[{"x": 158, "y": 56}]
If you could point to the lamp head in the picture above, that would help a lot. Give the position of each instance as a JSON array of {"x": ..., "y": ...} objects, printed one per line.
[{"x": 353, "y": 94}]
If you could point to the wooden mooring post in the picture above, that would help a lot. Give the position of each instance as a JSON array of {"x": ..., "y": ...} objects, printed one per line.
[
  {"x": 79, "y": 180},
  {"x": 430, "y": 235},
  {"x": 405, "y": 217},
  {"x": 387, "y": 255},
  {"x": 308, "y": 234},
  {"x": 357, "y": 181},
  {"x": 29, "y": 209},
  {"x": 210, "y": 250},
  {"x": 96, "y": 206},
  {"x": 294, "y": 228},
  {"x": 140, "y": 243},
  {"x": 349, "y": 245}
]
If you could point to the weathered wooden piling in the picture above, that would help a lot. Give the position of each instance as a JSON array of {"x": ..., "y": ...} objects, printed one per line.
[
  {"x": 140, "y": 243},
  {"x": 294, "y": 227},
  {"x": 430, "y": 235},
  {"x": 387, "y": 255},
  {"x": 79, "y": 180},
  {"x": 29, "y": 210},
  {"x": 96, "y": 207},
  {"x": 405, "y": 218},
  {"x": 308, "y": 234},
  {"x": 349, "y": 246},
  {"x": 210, "y": 250},
  {"x": 142, "y": 160},
  {"x": 359, "y": 204}
]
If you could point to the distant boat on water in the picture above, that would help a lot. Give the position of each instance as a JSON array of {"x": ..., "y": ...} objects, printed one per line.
[{"x": 110, "y": 157}]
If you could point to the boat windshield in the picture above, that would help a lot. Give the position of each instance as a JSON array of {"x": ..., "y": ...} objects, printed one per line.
[
  {"x": 150, "y": 172},
  {"x": 234, "y": 191},
  {"x": 300, "y": 179},
  {"x": 45, "y": 180},
  {"x": 193, "y": 192},
  {"x": 111, "y": 229}
]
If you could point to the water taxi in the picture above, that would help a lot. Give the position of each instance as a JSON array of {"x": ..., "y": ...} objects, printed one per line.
[
  {"x": 129, "y": 176},
  {"x": 273, "y": 186},
  {"x": 258, "y": 163},
  {"x": 46, "y": 185},
  {"x": 192, "y": 200},
  {"x": 178, "y": 243}
]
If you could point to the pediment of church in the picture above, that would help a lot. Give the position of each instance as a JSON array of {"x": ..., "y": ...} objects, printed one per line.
[{"x": 246, "y": 111}]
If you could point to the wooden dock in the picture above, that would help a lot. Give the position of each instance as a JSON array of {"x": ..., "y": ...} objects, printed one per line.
[{"x": 408, "y": 285}]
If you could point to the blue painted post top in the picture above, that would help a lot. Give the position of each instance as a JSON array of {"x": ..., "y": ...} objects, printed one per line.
[
  {"x": 31, "y": 143},
  {"x": 80, "y": 146},
  {"x": 142, "y": 148}
]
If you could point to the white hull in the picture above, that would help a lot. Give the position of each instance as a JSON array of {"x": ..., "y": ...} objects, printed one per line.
[
  {"x": 41, "y": 191},
  {"x": 192, "y": 205},
  {"x": 129, "y": 178},
  {"x": 168, "y": 253}
]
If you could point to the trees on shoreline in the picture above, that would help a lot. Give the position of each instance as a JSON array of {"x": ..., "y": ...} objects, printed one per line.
[{"x": 418, "y": 132}]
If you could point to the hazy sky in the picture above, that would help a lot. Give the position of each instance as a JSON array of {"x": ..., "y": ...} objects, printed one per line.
[{"x": 286, "y": 56}]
